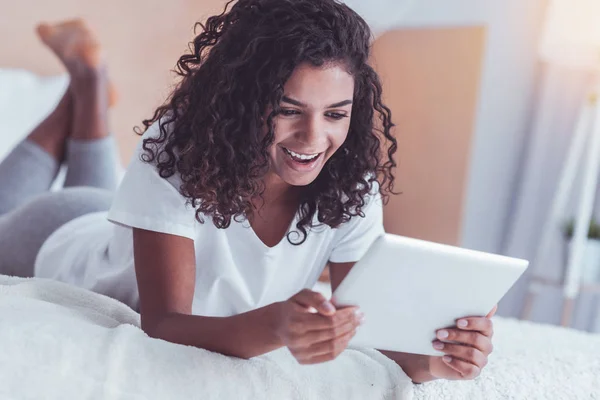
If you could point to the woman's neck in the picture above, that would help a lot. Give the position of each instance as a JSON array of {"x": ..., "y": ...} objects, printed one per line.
[{"x": 277, "y": 193}]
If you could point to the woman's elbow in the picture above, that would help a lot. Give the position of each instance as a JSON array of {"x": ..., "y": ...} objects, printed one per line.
[{"x": 151, "y": 326}]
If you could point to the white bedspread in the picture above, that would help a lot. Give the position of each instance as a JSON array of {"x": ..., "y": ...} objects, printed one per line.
[
  {"x": 60, "y": 342},
  {"x": 530, "y": 361}
]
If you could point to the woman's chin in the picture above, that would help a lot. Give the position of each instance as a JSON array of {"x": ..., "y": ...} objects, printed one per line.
[{"x": 302, "y": 180}]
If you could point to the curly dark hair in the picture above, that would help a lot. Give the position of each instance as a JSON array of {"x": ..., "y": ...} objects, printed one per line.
[{"x": 212, "y": 126}]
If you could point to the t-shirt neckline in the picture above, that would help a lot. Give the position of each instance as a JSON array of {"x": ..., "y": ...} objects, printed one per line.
[{"x": 268, "y": 249}]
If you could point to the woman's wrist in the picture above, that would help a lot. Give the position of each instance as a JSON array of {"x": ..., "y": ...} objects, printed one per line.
[
  {"x": 244, "y": 335},
  {"x": 415, "y": 366},
  {"x": 268, "y": 321},
  {"x": 253, "y": 333}
]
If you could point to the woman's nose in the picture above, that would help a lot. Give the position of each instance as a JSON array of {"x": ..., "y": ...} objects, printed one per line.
[{"x": 314, "y": 130}]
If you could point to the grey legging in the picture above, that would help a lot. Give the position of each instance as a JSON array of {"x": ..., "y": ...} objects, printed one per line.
[{"x": 30, "y": 213}]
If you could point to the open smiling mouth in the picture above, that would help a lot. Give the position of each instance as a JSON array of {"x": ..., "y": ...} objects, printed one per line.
[{"x": 301, "y": 158}]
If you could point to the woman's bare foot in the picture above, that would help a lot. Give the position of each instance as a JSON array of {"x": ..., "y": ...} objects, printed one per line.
[
  {"x": 79, "y": 50},
  {"x": 73, "y": 42}
]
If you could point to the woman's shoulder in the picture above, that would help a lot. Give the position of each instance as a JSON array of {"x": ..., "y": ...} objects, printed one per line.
[
  {"x": 158, "y": 131},
  {"x": 147, "y": 164}
]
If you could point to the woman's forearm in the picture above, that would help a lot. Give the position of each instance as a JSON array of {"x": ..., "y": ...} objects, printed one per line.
[
  {"x": 416, "y": 366},
  {"x": 244, "y": 335}
]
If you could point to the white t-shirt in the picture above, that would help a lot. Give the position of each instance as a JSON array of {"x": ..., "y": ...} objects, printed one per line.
[{"x": 235, "y": 271}]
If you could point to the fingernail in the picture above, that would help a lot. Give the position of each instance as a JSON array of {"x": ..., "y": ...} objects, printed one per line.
[
  {"x": 442, "y": 334},
  {"x": 358, "y": 315},
  {"x": 438, "y": 346},
  {"x": 447, "y": 358},
  {"x": 328, "y": 306},
  {"x": 462, "y": 323}
]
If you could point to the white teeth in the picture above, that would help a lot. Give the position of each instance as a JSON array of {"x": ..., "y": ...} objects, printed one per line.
[{"x": 302, "y": 156}]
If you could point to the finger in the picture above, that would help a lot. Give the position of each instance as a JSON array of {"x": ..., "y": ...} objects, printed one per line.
[
  {"x": 317, "y": 322},
  {"x": 473, "y": 339},
  {"x": 491, "y": 313},
  {"x": 301, "y": 321},
  {"x": 334, "y": 346},
  {"x": 308, "y": 339},
  {"x": 308, "y": 298},
  {"x": 448, "y": 371},
  {"x": 480, "y": 324},
  {"x": 325, "y": 351},
  {"x": 468, "y": 354},
  {"x": 316, "y": 360},
  {"x": 466, "y": 370}
]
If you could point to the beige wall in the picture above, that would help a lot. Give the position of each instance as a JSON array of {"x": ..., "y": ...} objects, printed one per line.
[
  {"x": 431, "y": 79},
  {"x": 143, "y": 39}
]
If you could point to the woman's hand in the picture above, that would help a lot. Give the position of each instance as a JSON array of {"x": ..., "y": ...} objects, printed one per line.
[
  {"x": 467, "y": 348},
  {"x": 312, "y": 329}
]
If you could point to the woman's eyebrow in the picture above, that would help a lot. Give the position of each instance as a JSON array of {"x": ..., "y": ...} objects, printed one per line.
[
  {"x": 300, "y": 104},
  {"x": 292, "y": 101},
  {"x": 340, "y": 104}
]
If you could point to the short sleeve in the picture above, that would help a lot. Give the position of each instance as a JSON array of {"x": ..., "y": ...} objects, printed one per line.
[
  {"x": 147, "y": 201},
  {"x": 353, "y": 239}
]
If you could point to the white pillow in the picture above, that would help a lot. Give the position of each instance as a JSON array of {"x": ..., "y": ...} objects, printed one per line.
[{"x": 25, "y": 100}]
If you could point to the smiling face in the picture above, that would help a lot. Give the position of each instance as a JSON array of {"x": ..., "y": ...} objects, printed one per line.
[{"x": 313, "y": 123}]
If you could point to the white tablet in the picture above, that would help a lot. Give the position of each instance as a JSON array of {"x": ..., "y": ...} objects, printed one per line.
[{"x": 409, "y": 288}]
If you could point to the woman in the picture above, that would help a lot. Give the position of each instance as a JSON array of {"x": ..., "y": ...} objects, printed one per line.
[{"x": 265, "y": 164}]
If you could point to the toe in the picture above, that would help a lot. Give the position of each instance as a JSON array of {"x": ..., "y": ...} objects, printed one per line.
[{"x": 43, "y": 30}]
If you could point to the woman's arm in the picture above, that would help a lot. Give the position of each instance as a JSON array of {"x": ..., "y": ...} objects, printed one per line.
[
  {"x": 165, "y": 267},
  {"x": 416, "y": 366}
]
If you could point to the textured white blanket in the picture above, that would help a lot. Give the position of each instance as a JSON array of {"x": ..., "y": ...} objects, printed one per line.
[
  {"x": 530, "y": 361},
  {"x": 60, "y": 342}
]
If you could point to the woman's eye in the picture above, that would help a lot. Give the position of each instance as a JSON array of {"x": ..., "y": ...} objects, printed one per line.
[
  {"x": 336, "y": 116},
  {"x": 289, "y": 112}
]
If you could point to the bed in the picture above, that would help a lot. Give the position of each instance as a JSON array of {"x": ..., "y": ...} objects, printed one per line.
[{"x": 62, "y": 342}]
